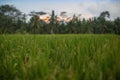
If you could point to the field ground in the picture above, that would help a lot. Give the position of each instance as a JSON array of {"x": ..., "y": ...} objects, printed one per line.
[{"x": 60, "y": 57}]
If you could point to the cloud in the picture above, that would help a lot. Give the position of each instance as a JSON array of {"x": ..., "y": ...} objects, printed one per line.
[
  {"x": 87, "y": 8},
  {"x": 95, "y": 8}
]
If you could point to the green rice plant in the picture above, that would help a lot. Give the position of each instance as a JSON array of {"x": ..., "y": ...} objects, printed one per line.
[{"x": 60, "y": 57}]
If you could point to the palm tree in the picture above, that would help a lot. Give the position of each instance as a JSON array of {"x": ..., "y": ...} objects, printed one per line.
[
  {"x": 35, "y": 24},
  {"x": 52, "y": 22},
  {"x": 105, "y": 14}
]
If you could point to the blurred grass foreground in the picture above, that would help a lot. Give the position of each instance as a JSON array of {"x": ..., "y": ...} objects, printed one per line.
[{"x": 60, "y": 57}]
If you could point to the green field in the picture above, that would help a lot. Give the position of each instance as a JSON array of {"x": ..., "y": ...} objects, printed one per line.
[{"x": 60, "y": 57}]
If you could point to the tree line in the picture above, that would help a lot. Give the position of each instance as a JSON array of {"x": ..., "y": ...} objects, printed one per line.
[{"x": 14, "y": 21}]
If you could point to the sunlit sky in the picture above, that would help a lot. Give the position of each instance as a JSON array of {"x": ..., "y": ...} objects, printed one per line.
[{"x": 88, "y": 8}]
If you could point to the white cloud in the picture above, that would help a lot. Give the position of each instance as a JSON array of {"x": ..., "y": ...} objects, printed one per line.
[
  {"x": 88, "y": 9},
  {"x": 96, "y": 8}
]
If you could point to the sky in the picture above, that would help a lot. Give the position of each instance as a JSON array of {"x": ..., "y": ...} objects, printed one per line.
[{"x": 88, "y": 8}]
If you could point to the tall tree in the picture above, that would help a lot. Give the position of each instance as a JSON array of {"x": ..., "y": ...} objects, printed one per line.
[
  {"x": 34, "y": 24},
  {"x": 52, "y": 22},
  {"x": 105, "y": 14},
  {"x": 9, "y": 18},
  {"x": 117, "y": 25},
  {"x": 63, "y": 14}
]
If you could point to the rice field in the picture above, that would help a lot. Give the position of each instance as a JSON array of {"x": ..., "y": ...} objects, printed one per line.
[{"x": 60, "y": 57}]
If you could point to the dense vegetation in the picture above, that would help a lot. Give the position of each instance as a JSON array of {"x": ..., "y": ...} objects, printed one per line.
[
  {"x": 59, "y": 57},
  {"x": 13, "y": 21}
]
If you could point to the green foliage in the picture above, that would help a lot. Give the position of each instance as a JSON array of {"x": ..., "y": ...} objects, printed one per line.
[
  {"x": 117, "y": 26},
  {"x": 105, "y": 14},
  {"x": 13, "y": 21},
  {"x": 34, "y": 24},
  {"x": 100, "y": 25},
  {"x": 59, "y": 57}
]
